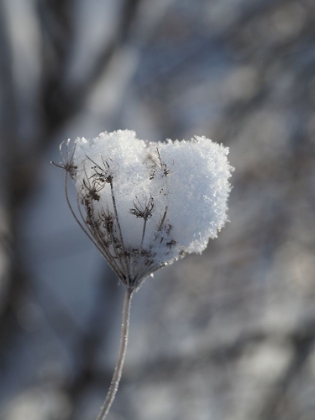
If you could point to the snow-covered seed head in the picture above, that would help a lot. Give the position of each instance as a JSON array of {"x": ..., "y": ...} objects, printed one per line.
[{"x": 147, "y": 204}]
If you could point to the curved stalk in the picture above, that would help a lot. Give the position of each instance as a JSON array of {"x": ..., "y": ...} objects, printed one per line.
[{"x": 121, "y": 357}]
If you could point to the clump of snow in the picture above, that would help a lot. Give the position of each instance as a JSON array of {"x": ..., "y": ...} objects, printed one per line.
[{"x": 146, "y": 204}]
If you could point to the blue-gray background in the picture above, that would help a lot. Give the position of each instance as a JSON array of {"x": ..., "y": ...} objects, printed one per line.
[{"x": 228, "y": 335}]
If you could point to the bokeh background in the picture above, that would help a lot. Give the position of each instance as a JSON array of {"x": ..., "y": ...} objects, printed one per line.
[{"x": 228, "y": 335}]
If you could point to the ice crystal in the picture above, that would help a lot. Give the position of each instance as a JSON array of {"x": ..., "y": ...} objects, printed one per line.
[{"x": 146, "y": 204}]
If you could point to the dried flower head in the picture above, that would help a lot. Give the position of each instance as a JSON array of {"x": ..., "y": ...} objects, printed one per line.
[{"x": 146, "y": 204}]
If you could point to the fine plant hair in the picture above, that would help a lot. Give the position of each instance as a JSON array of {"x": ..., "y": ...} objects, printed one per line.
[{"x": 132, "y": 205}]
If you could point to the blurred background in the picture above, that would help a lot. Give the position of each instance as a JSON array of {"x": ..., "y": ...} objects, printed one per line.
[{"x": 228, "y": 335}]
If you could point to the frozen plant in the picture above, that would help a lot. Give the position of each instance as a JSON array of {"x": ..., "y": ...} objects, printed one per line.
[{"x": 145, "y": 205}]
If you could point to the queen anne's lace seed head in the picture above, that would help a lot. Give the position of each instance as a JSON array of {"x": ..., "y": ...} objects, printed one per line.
[{"x": 146, "y": 204}]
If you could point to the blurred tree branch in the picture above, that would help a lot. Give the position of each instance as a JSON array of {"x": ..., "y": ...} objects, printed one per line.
[{"x": 20, "y": 168}]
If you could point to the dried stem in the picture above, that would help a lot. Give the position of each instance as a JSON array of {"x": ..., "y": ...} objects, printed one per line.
[
  {"x": 143, "y": 233},
  {"x": 121, "y": 357},
  {"x": 125, "y": 259}
]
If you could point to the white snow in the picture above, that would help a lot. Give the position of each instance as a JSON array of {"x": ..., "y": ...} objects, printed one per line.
[{"x": 146, "y": 204}]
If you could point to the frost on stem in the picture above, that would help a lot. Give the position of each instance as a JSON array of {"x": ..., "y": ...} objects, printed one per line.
[{"x": 147, "y": 204}]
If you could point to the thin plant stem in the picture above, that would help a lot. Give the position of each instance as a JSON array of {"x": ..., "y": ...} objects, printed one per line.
[
  {"x": 121, "y": 357},
  {"x": 119, "y": 229},
  {"x": 143, "y": 233}
]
